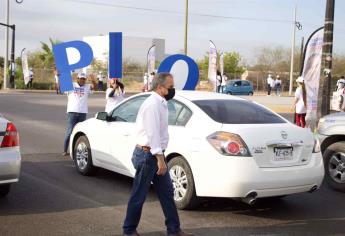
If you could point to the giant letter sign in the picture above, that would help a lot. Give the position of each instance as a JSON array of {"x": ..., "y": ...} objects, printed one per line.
[
  {"x": 63, "y": 66},
  {"x": 193, "y": 72},
  {"x": 115, "y": 55}
]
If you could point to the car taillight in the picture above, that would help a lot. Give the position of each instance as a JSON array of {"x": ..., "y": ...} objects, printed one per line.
[
  {"x": 228, "y": 144},
  {"x": 11, "y": 138}
]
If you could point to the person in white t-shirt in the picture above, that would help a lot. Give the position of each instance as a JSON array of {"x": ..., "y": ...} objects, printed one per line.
[
  {"x": 150, "y": 79},
  {"x": 114, "y": 95},
  {"x": 341, "y": 94},
  {"x": 278, "y": 85},
  {"x": 146, "y": 81},
  {"x": 57, "y": 82},
  {"x": 100, "y": 78},
  {"x": 300, "y": 103},
  {"x": 270, "y": 81},
  {"x": 77, "y": 106}
]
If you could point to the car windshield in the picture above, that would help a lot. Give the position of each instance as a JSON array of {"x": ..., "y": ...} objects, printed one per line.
[{"x": 237, "y": 112}]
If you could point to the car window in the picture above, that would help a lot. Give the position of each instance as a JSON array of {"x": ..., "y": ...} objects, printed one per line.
[
  {"x": 237, "y": 112},
  {"x": 184, "y": 117},
  {"x": 237, "y": 83},
  {"x": 174, "y": 108},
  {"x": 128, "y": 111},
  {"x": 245, "y": 83}
]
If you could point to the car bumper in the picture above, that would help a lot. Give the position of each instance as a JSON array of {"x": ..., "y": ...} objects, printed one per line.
[
  {"x": 10, "y": 163},
  {"x": 237, "y": 177}
]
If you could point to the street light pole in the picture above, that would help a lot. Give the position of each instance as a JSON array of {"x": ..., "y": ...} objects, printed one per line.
[
  {"x": 327, "y": 50},
  {"x": 292, "y": 50},
  {"x": 186, "y": 30},
  {"x": 6, "y": 44}
]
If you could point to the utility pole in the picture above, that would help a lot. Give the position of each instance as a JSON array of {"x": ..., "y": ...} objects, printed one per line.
[
  {"x": 6, "y": 44},
  {"x": 292, "y": 50},
  {"x": 323, "y": 102},
  {"x": 186, "y": 30}
]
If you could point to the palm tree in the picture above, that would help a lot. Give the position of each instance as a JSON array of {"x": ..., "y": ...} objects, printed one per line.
[{"x": 47, "y": 56}]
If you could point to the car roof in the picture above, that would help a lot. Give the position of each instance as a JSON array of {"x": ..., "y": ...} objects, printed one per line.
[{"x": 203, "y": 95}]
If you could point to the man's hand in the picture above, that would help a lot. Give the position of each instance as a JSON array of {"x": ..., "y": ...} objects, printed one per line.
[{"x": 162, "y": 166}]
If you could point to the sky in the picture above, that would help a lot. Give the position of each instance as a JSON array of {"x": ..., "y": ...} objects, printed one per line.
[{"x": 247, "y": 26}]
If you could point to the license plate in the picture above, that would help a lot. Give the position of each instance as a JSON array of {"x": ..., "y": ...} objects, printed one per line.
[{"x": 283, "y": 153}]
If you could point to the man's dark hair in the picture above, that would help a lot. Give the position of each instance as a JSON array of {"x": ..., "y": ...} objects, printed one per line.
[{"x": 160, "y": 79}]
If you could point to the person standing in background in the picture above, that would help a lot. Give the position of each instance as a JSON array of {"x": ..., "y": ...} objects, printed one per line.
[
  {"x": 100, "y": 81},
  {"x": 146, "y": 81},
  {"x": 269, "y": 84},
  {"x": 57, "y": 82},
  {"x": 300, "y": 103},
  {"x": 278, "y": 85}
]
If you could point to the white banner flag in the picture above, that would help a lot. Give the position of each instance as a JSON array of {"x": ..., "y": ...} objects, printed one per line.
[
  {"x": 212, "y": 65},
  {"x": 151, "y": 59},
  {"x": 312, "y": 71},
  {"x": 25, "y": 67},
  {"x": 221, "y": 63}
]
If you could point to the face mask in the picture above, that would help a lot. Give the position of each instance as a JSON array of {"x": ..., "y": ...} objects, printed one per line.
[{"x": 170, "y": 95}]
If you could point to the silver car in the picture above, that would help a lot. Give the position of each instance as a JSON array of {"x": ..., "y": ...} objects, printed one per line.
[
  {"x": 331, "y": 131},
  {"x": 10, "y": 158}
]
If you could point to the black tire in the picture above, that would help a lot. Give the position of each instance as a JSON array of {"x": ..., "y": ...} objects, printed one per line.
[
  {"x": 4, "y": 189},
  {"x": 251, "y": 94},
  {"x": 332, "y": 153},
  {"x": 229, "y": 93},
  {"x": 190, "y": 200},
  {"x": 83, "y": 163}
]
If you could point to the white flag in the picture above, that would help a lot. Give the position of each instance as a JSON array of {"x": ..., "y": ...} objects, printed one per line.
[
  {"x": 25, "y": 67},
  {"x": 312, "y": 71},
  {"x": 212, "y": 65},
  {"x": 151, "y": 59}
]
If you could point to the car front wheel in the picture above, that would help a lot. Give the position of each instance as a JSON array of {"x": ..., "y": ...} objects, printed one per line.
[
  {"x": 183, "y": 183},
  {"x": 334, "y": 159},
  {"x": 82, "y": 156},
  {"x": 4, "y": 190}
]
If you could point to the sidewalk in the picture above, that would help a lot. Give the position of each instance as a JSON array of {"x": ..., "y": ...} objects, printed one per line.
[{"x": 275, "y": 103}]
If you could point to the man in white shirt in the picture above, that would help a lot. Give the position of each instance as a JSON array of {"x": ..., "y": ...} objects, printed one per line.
[
  {"x": 77, "y": 106},
  {"x": 114, "y": 95},
  {"x": 270, "y": 82},
  {"x": 100, "y": 81},
  {"x": 149, "y": 160}
]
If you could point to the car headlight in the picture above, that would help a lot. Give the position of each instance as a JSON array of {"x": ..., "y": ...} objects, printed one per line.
[
  {"x": 228, "y": 144},
  {"x": 317, "y": 146}
]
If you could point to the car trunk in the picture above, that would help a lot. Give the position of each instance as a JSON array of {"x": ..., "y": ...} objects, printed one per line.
[
  {"x": 275, "y": 145},
  {"x": 3, "y": 125}
]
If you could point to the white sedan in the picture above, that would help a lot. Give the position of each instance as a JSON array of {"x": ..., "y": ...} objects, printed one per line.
[
  {"x": 220, "y": 146},
  {"x": 10, "y": 158}
]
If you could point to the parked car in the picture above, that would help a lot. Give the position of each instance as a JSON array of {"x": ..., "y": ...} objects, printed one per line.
[
  {"x": 239, "y": 87},
  {"x": 220, "y": 146},
  {"x": 331, "y": 130},
  {"x": 10, "y": 158}
]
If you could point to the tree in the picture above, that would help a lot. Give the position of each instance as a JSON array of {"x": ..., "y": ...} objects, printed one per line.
[
  {"x": 232, "y": 64},
  {"x": 47, "y": 56}
]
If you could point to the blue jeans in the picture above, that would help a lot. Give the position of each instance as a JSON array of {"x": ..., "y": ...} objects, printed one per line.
[
  {"x": 146, "y": 168},
  {"x": 72, "y": 119}
]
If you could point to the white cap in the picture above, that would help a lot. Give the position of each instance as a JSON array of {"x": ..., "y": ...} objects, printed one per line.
[
  {"x": 300, "y": 79},
  {"x": 81, "y": 75}
]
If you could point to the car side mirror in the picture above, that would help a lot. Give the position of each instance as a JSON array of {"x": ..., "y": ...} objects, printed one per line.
[{"x": 102, "y": 116}]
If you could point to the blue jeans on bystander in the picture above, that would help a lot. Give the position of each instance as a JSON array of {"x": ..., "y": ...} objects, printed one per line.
[
  {"x": 146, "y": 172},
  {"x": 72, "y": 119}
]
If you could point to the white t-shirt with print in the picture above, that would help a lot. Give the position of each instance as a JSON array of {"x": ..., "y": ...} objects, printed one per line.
[
  {"x": 77, "y": 98},
  {"x": 300, "y": 106}
]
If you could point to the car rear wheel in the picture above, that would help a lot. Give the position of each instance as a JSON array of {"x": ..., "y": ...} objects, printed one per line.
[
  {"x": 82, "y": 156},
  {"x": 250, "y": 94},
  {"x": 334, "y": 159},
  {"x": 183, "y": 183},
  {"x": 4, "y": 189},
  {"x": 229, "y": 93}
]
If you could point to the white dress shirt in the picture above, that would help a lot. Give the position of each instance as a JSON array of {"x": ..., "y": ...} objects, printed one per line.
[{"x": 152, "y": 124}]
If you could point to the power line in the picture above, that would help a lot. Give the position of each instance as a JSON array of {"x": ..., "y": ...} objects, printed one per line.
[{"x": 179, "y": 13}]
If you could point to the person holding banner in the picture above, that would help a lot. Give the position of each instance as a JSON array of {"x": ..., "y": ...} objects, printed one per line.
[
  {"x": 114, "y": 94},
  {"x": 77, "y": 106},
  {"x": 146, "y": 81},
  {"x": 300, "y": 103}
]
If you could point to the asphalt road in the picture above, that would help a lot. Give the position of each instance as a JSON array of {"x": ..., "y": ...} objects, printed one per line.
[{"x": 53, "y": 199}]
